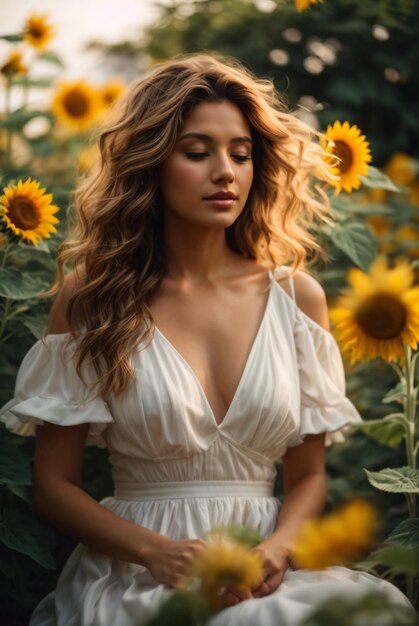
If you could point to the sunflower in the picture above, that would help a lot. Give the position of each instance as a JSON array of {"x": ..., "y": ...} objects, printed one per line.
[
  {"x": 414, "y": 193},
  {"x": 380, "y": 224},
  {"x": 14, "y": 64},
  {"x": 26, "y": 211},
  {"x": 349, "y": 146},
  {"x": 38, "y": 31},
  {"x": 374, "y": 196},
  {"x": 77, "y": 105},
  {"x": 401, "y": 169},
  {"x": 379, "y": 314},
  {"x": 337, "y": 538},
  {"x": 111, "y": 92},
  {"x": 302, "y": 5},
  {"x": 409, "y": 234},
  {"x": 87, "y": 159},
  {"x": 224, "y": 562}
]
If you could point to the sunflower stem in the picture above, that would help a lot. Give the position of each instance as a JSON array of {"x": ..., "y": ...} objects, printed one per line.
[
  {"x": 5, "y": 317},
  {"x": 6, "y": 337},
  {"x": 8, "y": 150},
  {"x": 410, "y": 412},
  {"x": 397, "y": 369},
  {"x": 5, "y": 255}
]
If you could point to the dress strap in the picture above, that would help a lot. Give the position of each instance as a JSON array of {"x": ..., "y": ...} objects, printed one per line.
[
  {"x": 292, "y": 287},
  {"x": 282, "y": 271}
]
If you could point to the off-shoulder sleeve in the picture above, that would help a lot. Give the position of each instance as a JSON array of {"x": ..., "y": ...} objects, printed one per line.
[
  {"x": 324, "y": 405},
  {"x": 48, "y": 389}
]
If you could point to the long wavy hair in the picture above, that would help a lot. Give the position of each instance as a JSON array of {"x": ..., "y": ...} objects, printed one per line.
[{"x": 116, "y": 246}]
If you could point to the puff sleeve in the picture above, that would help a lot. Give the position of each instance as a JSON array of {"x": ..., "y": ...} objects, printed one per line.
[
  {"x": 48, "y": 389},
  {"x": 323, "y": 404}
]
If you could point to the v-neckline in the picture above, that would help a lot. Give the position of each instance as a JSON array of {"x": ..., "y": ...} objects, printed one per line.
[{"x": 219, "y": 425}]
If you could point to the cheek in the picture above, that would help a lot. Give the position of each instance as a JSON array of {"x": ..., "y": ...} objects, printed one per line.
[
  {"x": 179, "y": 178},
  {"x": 246, "y": 178}
]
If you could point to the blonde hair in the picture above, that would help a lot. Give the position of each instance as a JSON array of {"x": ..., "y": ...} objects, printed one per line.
[{"x": 117, "y": 238}]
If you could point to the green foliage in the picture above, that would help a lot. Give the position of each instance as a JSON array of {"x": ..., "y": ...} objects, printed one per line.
[
  {"x": 181, "y": 608},
  {"x": 338, "y": 35},
  {"x": 396, "y": 480},
  {"x": 396, "y": 559},
  {"x": 241, "y": 534},
  {"x": 356, "y": 241},
  {"x": 406, "y": 534},
  {"x": 377, "y": 180}
]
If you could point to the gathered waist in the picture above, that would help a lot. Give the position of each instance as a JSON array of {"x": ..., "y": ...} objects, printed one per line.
[{"x": 193, "y": 489}]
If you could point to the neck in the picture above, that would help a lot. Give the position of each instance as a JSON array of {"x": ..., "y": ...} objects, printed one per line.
[{"x": 196, "y": 254}]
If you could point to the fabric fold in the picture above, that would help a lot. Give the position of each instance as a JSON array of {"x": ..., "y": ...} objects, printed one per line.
[
  {"x": 48, "y": 389},
  {"x": 324, "y": 405}
]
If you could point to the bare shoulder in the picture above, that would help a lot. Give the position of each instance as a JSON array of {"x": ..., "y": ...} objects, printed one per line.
[
  {"x": 311, "y": 298},
  {"x": 57, "y": 320}
]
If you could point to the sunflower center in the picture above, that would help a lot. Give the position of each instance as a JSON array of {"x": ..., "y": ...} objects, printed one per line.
[
  {"x": 382, "y": 316},
  {"x": 76, "y": 104},
  {"x": 344, "y": 153},
  {"x": 37, "y": 32},
  {"x": 23, "y": 213}
]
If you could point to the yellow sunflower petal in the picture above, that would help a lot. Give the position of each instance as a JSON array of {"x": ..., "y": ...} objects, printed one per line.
[
  {"x": 347, "y": 144},
  {"x": 77, "y": 105},
  {"x": 38, "y": 31},
  {"x": 378, "y": 314},
  {"x": 26, "y": 211}
]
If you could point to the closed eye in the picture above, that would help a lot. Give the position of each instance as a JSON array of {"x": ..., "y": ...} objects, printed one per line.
[{"x": 198, "y": 156}]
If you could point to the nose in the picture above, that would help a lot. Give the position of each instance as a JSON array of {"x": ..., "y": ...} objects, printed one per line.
[{"x": 223, "y": 170}]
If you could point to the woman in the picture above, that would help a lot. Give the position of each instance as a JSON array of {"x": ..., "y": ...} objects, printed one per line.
[{"x": 173, "y": 344}]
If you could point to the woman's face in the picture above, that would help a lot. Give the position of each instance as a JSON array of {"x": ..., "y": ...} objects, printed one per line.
[{"x": 207, "y": 178}]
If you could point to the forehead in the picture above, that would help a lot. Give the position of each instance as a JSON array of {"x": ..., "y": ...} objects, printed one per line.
[{"x": 212, "y": 118}]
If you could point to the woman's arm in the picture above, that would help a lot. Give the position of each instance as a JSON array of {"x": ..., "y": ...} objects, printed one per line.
[
  {"x": 304, "y": 480},
  {"x": 58, "y": 496},
  {"x": 304, "y": 476}
]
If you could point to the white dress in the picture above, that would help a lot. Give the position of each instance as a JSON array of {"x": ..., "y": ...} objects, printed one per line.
[{"x": 179, "y": 473}]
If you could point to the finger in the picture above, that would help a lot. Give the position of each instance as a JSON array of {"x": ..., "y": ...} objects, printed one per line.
[
  {"x": 270, "y": 584},
  {"x": 242, "y": 594},
  {"x": 262, "y": 590},
  {"x": 229, "y": 599}
]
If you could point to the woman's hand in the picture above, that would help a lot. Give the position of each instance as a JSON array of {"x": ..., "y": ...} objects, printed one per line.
[
  {"x": 168, "y": 560},
  {"x": 275, "y": 558}
]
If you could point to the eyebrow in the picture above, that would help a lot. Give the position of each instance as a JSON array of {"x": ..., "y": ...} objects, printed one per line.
[{"x": 191, "y": 135}]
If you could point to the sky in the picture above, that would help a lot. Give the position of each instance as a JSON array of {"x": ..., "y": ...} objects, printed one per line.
[{"x": 78, "y": 21}]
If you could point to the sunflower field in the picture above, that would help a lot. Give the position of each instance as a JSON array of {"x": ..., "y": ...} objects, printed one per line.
[{"x": 348, "y": 68}]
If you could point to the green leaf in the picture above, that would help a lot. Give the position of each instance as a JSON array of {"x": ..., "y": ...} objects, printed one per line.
[
  {"x": 25, "y": 81},
  {"x": 389, "y": 433},
  {"x": 395, "y": 480},
  {"x": 356, "y": 241},
  {"x": 14, "y": 466},
  {"x": 21, "y": 531},
  {"x": 405, "y": 534},
  {"x": 397, "y": 394},
  {"x": 52, "y": 57},
  {"x": 377, "y": 180},
  {"x": 20, "y": 285},
  {"x": 398, "y": 560},
  {"x": 12, "y": 38},
  {"x": 19, "y": 118},
  {"x": 36, "y": 325}
]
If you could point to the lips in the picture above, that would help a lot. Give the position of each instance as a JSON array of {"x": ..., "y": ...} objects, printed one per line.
[{"x": 222, "y": 195}]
